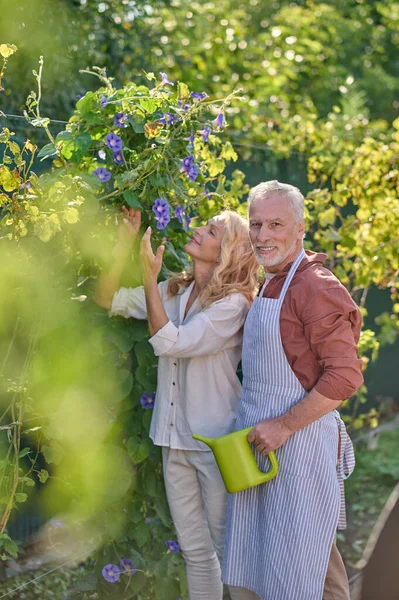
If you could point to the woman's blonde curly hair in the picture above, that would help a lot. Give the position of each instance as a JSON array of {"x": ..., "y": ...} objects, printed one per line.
[{"x": 237, "y": 269}]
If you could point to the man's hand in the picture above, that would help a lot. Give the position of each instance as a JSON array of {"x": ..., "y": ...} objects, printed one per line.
[
  {"x": 269, "y": 435},
  {"x": 150, "y": 264}
]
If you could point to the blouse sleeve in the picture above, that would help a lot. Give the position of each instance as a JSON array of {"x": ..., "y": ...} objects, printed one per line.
[
  {"x": 207, "y": 332},
  {"x": 130, "y": 302}
]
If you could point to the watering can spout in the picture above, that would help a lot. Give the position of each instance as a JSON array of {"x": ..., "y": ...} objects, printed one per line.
[
  {"x": 208, "y": 441},
  {"x": 236, "y": 460}
]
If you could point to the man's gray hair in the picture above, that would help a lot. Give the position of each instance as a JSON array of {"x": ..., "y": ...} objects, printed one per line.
[{"x": 270, "y": 188}]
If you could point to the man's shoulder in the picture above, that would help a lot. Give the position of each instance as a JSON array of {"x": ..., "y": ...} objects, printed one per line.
[
  {"x": 316, "y": 291},
  {"x": 316, "y": 278}
]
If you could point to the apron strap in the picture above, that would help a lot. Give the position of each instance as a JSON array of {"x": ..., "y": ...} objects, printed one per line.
[{"x": 290, "y": 276}]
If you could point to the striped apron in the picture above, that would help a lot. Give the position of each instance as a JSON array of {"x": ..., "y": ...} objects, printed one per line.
[{"x": 279, "y": 534}]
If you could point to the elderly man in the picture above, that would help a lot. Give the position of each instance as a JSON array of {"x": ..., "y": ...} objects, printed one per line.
[{"x": 299, "y": 363}]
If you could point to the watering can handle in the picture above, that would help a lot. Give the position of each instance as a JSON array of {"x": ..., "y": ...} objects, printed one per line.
[{"x": 271, "y": 456}]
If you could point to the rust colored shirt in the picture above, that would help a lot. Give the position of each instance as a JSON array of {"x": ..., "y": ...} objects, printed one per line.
[{"x": 320, "y": 327}]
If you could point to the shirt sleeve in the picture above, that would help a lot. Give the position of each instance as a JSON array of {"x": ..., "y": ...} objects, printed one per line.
[
  {"x": 207, "y": 332},
  {"x": 130, "y": 302},
  {"x": 332, "y": 324}
]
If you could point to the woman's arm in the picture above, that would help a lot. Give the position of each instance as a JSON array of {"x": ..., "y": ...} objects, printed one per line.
[
  {"x": 151, "y": 266},
  {"x": 109, "y": 282}
]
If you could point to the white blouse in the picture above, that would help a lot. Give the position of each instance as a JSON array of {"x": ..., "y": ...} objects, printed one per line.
[{"x": 198, "y": 388}]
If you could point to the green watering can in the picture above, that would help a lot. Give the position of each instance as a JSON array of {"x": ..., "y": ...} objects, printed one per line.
[{"x": 236, "y": 460}]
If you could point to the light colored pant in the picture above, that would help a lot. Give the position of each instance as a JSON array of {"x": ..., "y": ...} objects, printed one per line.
[
  {"x": 336, "y": 586},
  {"x": 198, "y": 502}
]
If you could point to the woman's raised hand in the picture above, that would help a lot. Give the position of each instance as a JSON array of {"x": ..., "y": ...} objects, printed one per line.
[
  {"x": 129, "y": 228},
  {"x": 150, "y": 263}
]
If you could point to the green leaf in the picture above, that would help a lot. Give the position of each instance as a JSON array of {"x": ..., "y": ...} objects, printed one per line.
[
  {"x": 146, "y": 377},
  {"x": 73, "y": 147},
  {"x": 138, "y": 330},
  {"x": 125, "y": 385},
  {"x": 135, "y": 512},
  {"x": 157, "y": 180},
  {"x": 42, "y": 122},
  {"x": 228, "y": 152},
  {"x": 138, "y": 449},
  {"x": 53, "y": 453},
  {"x": 147, "y": 416},
  {"x": 86, "y": 104},
  {"x": 6, "y": 50},
  {"x": 132, "y": 200},
  {"x": 47, "y": 151},
  {"x": 28, "y": 481},
  {"x": 141, "y": 533},
  {"x": 24, "y": 452},
  {"x": 332, "y": 235},
  {"x": 11, "y": 547},
  {"x": 183, "y": 92},
  {"x": 138, "y": 581},
  {"x": 21, "y": 497},
  {"x": 163, "y": 513},
  {"x": 10, "y": 180},
  {"x": 88, "y": 584},
  {"x": 167, "y": 592},
  {"x": 216, "y": 166},
  {"x": 137, "y": 122},
  {"x": 149, "y": 105},
  {"x": 144, "y": 353},
  {"x": 43, "y": 475},
  {"x": 122, "y": 339}
]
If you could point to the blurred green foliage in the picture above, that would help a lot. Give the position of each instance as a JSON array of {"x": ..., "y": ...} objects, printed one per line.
[
  {"x": 289, "y": 57},
  {"x": 319, "y": 80},
  {"x": 70, "y": 369}
]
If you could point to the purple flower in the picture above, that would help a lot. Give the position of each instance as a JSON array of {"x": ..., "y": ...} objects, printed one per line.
[
  {"x": 160, "y": 206},
  {"x": 25, "y": 185},
  {"x": 183, "y": 105},
  {"x": 180, "y": 213},
  {"x": 111, "y": 573},
  {"x": 187, "y": 222},
  {"x": 172, "y": 546},
  {"x": 161, "y": 210},
  {"x": 162, "y": 220},
  {"x": 205, "y": 134},
  {"x": 147, "y": 401},
  {"x": 114, "y": 142},
  {"x": 102, "y": 174},
  {"x": 120, "y": 120},
  {"x": 118, "y": 158},
  {"x": 191, "y": 139},
  {"x": 165, "y": 80},
  {"x": 189, "y": 167},
  {"x": 79, "y": 96},
  {"x": 220, "y": 121},
  {"x": 187, "y": 162},
  {"x": 198, "y": 95},
  {"x": 206, "y": 191},
  {"x": 103, "y": 101},
  {"x": 102, "y": 155},
  {"x": 168, "y": 119},
  {"x": 127, "y": 566}
]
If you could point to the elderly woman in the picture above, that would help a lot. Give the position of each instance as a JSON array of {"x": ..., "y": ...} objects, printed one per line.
[{"x": 195, "y": 321}]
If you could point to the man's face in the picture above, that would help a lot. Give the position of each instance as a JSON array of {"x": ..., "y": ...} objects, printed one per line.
[{"x": 275, "y": 234}]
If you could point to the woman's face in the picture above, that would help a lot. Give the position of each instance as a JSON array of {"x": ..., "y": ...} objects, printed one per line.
[{"x": 206, "y": 242}]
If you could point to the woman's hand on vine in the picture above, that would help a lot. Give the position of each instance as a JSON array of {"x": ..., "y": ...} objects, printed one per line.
[
  {"x": 150, "y": 263},
  {"x": 130, "y": 227}
]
